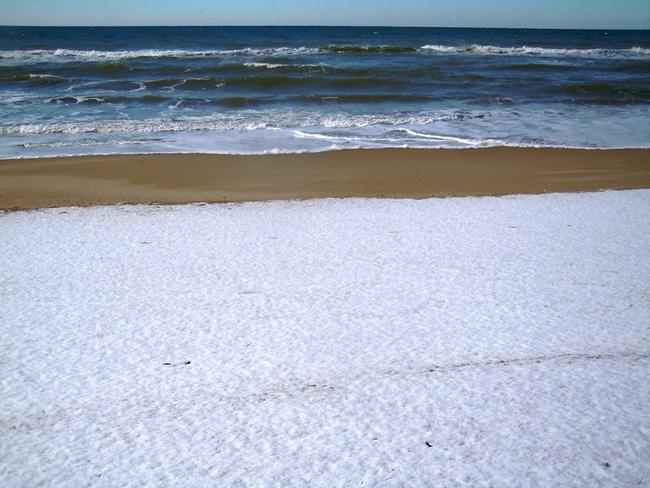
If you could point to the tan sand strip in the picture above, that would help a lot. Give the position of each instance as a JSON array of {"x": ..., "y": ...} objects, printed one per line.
[{"x": 416, "y": 173}]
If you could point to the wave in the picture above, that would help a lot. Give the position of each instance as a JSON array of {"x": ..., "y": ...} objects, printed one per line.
[
  {"x": 237, "y": 102},
  {"x": 264, "y": 82},
  {"x": 228, "y": 102},
  {"x": 91, "y": 100},
  {"x": 495, "y": 101},
  {"x": 541, "y": 67},
  {"x": 400, "y": 135},
  {"x": 128, "y": 70},
  {"x": 277, "y": 68},
  {"x": 58, "y": 55},
  {"x": 241, "y": 122},
  {"x": 45, "y": 55},
  {"x": 264, "y": 66},
  {"x": 633, "y": 67},
  {"x": 162, "y": 83},
  {"x": 288, "y": 68},
  {"x": 571, "y": 94},
  {"x": 459, "y": 140},
  {"x": 170, "y": 102},
  {"x": 613, "y": 92},
  {"x": 347, "y": 49},
  {"x": 605, "y": 101},
  {"x": 95, "y": 55},
  {"x": 118, "y": 68},
  {"x": 112, "y": 85},
  {"x": 271, "y": 82},
  {"x": 538, "y": 51},
  {"x": 367, "y": 83},
  {"x": 234, "y": 101},
  {"x": 590, "y": 88},
  {"x": 211, "y": 83},
  {"x": 33, "y": 79},
  {"x": 362, "y": 98}
]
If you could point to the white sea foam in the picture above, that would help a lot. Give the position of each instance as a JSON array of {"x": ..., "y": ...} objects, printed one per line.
[
  {"x": 256, "y": 132},
  {"x": 242, "y": 121},
  {"x": 39, "y": 55},
  {"x": 37, "y": 76},
  {"x": 538, "y": 51},
  {"x": 58, "y": 55},
  {"x": 641, "y": 50},
  {"x": 265, "y": 65},
  {"x": 389, "y": 139},
  {"x": 459, "y": 140}
]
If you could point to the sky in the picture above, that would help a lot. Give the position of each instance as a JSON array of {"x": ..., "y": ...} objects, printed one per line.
[{"x": 575, "y": 14}]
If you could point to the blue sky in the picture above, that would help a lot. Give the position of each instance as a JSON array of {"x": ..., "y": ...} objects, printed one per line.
[{"x": 609, "y": 14}]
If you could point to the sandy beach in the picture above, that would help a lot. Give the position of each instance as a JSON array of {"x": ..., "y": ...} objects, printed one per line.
[{"x": 415, "y": 173}]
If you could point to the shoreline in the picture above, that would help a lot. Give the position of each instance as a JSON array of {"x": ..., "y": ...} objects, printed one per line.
[{"x": 169, "y": 178}]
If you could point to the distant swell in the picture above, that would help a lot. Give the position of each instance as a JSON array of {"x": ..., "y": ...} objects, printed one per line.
[
  {"x": 237, "y": 101},
  {"x": 270, "y": 82},
  {"x": 605, "y": 93},
  {"x": 370, "y": 49},
  {"x": 32, "y": 79},
  {"x": 379, "y": 98},
  {"x": 107, "y": 100},
  {"x": 542, "y": 67}
]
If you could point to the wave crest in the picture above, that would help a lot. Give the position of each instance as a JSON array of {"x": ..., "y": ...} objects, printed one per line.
[
  {"x": 538, "y": 51},
  {"x": 43, "y": 55}
]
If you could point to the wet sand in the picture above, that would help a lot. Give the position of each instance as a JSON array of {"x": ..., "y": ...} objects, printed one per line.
[{"x": 397, "y": 173}]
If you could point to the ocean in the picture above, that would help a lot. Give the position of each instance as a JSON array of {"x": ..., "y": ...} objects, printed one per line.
[{"x": 254, "y": 90}]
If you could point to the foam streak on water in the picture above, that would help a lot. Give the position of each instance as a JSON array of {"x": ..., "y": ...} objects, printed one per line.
[{"x": 260, "y": 90}]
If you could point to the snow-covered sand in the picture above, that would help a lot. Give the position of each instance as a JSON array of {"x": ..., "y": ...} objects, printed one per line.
[{"x": 447, "y": 342}]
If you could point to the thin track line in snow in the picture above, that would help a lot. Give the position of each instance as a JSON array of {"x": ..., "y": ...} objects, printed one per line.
[
  {"x": 295, "y": 387},
  {"x": 538, "y": 359}
]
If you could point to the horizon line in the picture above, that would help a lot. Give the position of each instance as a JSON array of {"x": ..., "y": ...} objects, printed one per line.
[{"x": 85, "y": 26}]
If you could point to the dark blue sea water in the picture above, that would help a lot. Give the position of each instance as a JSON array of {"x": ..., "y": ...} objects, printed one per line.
[{"x": 291, "y": 89}]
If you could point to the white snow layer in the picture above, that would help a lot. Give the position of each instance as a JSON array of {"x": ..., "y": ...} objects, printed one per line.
[{"x": 447, "y": 342}]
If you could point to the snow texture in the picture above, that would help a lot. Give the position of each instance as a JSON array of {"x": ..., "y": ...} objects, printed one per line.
[{"x": 447, "y": 342}]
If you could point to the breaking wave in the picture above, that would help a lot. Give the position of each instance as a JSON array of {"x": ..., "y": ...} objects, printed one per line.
[
  {"x": 56, "y": 55},
  {"x": 633, "y": 52},
  {"x": 239, "y": 122}
]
